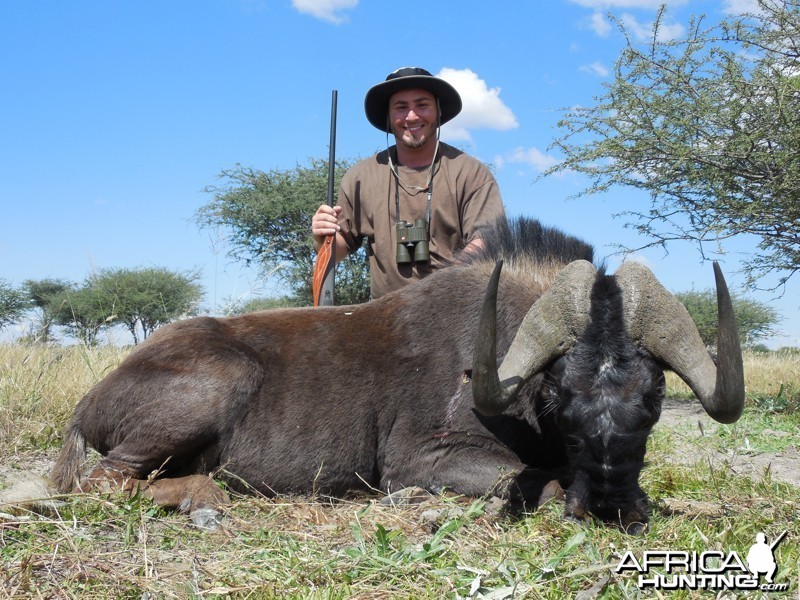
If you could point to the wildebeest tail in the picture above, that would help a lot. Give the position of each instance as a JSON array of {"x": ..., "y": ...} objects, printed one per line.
[{"x": 66, "y": 472}]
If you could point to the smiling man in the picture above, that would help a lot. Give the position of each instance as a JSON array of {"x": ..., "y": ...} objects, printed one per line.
[{"x": 419, "y": 202}]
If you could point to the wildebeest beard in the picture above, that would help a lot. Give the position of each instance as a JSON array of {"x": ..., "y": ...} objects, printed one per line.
[{"x": 605, "y": 395}]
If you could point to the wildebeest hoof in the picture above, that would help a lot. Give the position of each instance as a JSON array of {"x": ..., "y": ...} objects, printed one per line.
[
  {"x": 575, "y": 511},
  {"x": 636, "y": 528},
  {"x": 206, "y": 518},
  {"x": 633, "y": 523},
  {"x": 551, "y": 491},
  {"x": 406, "y": 497},
  {"x": 495, "y": 506},
  {"x": 200, "y": 492}
]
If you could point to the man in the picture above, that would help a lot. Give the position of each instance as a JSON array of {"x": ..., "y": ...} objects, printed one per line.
[{"x": 419, "y": 202}]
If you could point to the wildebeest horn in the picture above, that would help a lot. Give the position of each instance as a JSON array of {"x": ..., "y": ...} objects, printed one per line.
[
  {"x": 661, "y": 325},
  {"x": 549, "y": 329}
]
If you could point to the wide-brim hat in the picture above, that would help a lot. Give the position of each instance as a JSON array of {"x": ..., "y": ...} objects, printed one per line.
[{"x": 376, "y": 102}]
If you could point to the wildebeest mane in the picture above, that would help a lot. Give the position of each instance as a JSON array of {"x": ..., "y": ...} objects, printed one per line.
[{"x": 523, "y": 237}]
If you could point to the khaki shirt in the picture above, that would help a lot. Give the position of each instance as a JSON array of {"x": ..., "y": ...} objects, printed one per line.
[{"x": 465, "y": 197}]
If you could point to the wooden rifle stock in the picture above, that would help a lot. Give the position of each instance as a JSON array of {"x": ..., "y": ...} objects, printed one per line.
[{"x": 325, "y": 266}]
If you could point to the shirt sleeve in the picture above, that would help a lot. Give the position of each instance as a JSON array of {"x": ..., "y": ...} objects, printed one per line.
[
  {"x": 482, "y": 204},
  {"x": 348, "y": 200}
]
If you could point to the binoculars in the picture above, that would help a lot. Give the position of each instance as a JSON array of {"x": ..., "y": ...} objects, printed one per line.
[{"x": 412, "y": 238}]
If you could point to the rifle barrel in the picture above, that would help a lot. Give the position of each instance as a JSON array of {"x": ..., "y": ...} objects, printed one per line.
[
  {"x": 332, "y": 150},
  {"x": 328, "y": 285},
  {"x": 778, "y": 539}
]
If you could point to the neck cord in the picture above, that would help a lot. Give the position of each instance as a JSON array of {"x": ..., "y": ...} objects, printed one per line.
[
  {"x": 397, "y": 180},
  {"x": 428, "y": 186}
]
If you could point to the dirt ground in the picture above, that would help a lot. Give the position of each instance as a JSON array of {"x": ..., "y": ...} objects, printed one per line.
[
  {"x": 22, "y": 478},
  {"x": 689, "y": 423}
]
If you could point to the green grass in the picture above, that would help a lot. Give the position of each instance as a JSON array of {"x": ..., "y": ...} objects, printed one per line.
[
  {"x": 297, "y": 547},
  {"x": 756, "y": 432},
  {"x": 93, "y": 546}
]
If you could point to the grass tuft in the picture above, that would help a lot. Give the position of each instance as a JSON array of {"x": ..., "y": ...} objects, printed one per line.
[{"x": 93, "y": 546}]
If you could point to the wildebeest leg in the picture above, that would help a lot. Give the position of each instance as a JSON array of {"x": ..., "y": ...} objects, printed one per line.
[
  {"x": 474, "y": 466},
  {"x": 164, "y": 467},
  {"x": 186, "y": 493},
  {"x": 161, "y": 415}
]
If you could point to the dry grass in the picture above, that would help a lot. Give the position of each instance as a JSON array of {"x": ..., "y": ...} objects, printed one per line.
[
  {"x": 100, "y": 547},
  {"x": 40, "y": 385},
  {"x": 768, "y": 375}
]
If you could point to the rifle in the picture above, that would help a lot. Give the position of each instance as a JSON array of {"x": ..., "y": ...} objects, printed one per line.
[
  {"x": 778, "y": 540},
  {"x": 325, "y": 266}
]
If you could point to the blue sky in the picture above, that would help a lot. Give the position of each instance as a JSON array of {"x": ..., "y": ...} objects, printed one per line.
[{"x": 116, "y": 116}]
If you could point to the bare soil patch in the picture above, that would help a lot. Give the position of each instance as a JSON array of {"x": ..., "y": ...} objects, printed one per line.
[{"x": 689, "y": 423}]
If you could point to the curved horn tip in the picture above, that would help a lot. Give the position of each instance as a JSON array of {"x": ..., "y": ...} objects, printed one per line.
[
  {"x": 498, "y": 266},
  {"x": 727, "y": 417},
  {"x": 661, "y": 321},
  {"x": 718, "y": 276},
  {"x": 729, "y": 351},
  {"x": 487, "y": 395}
]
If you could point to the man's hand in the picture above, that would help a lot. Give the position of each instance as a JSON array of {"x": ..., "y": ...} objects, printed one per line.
[{"x": 325, "y": 222}]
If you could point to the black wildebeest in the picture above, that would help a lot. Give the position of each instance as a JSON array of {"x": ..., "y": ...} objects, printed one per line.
[{"x": 405, "y": 390}]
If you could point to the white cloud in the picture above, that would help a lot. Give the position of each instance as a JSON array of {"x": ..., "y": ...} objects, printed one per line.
[
  {"x": 670, "y": 31},
  {"x": 640, "y": 259},
  {"x": 599, "y": 24},
  {"x": 741, "y": 7},
  {"x": 528, "y": 156},
  {"x": 644, "y": 31},
  {"x": 327, "y": 10},
  {"x": 482, "y": 106},
  {"x": 646, "y": 4},
  {"x": 596, "y": 68}
]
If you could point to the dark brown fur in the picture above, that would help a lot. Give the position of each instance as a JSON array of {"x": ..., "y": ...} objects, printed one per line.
[
  {"x": 339, "y": 399},
  {"x": 292, "y": 400}
]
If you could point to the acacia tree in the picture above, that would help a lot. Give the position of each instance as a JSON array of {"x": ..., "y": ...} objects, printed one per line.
[
  {"x": 709, "y": 126},
  {"x": 83, "y": 311},
  {"x": 268, "y": 217},
  {"x": 146, "y": 298},
  {"x": 755, "y": 320},
  {"x": 140, "y": 299},
  {"x": 13, "y": 304},
  {"x": 40, "y": 293}
]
